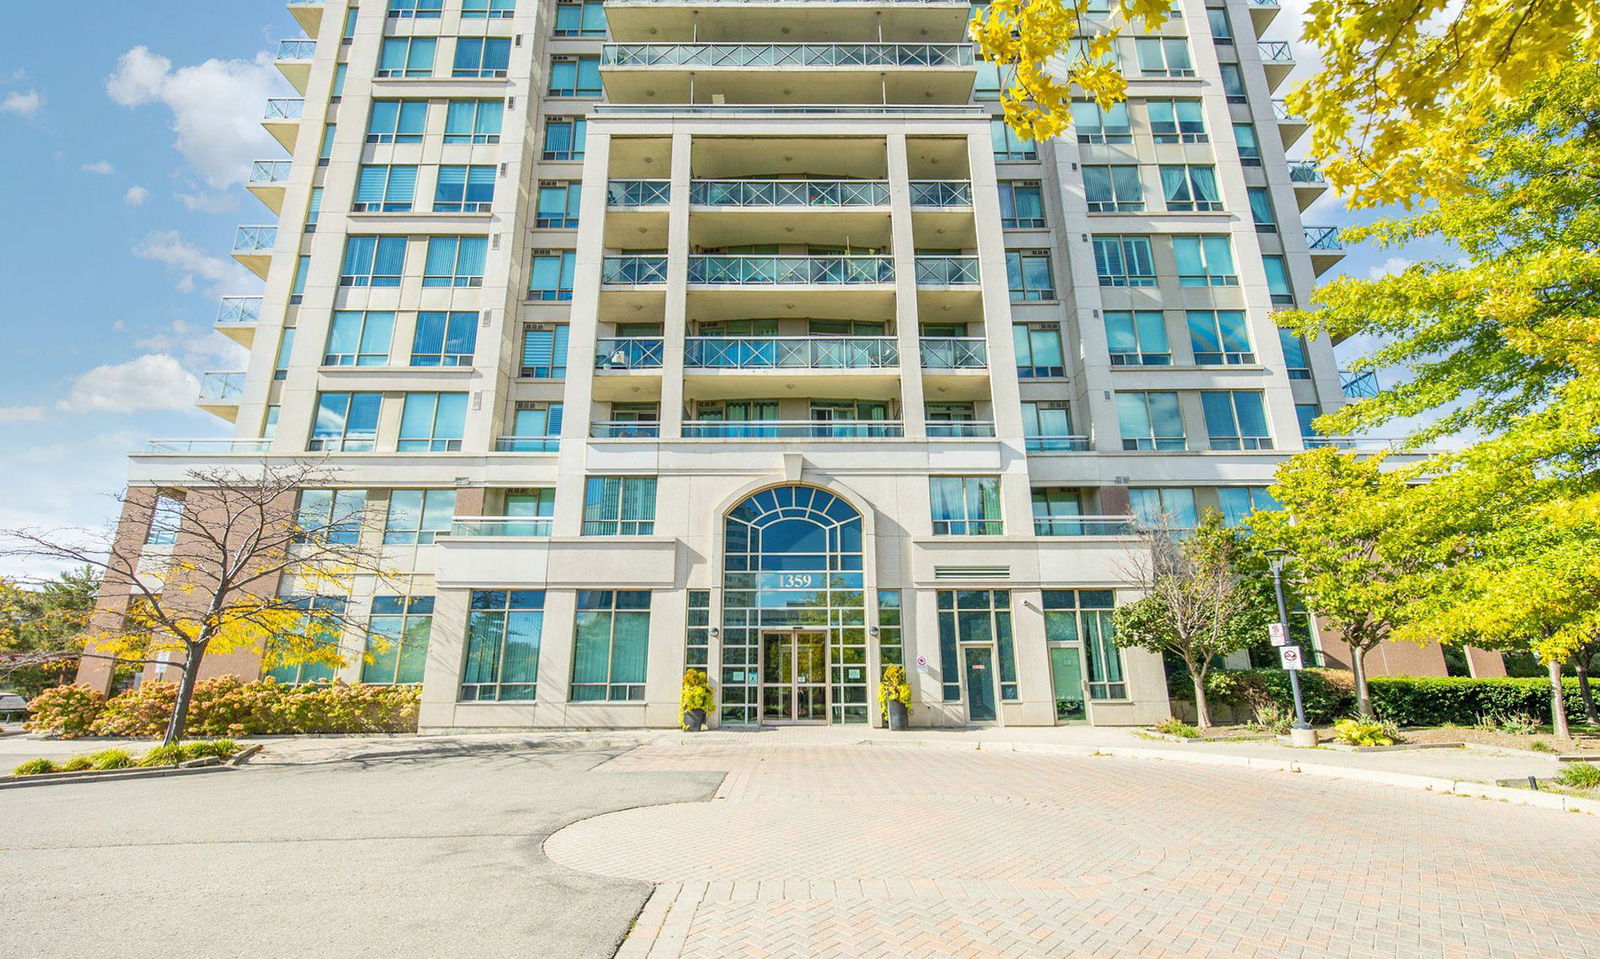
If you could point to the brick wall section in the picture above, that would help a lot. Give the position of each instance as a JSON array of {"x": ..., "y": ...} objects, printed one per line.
[{"x": 1404, "y": 659}]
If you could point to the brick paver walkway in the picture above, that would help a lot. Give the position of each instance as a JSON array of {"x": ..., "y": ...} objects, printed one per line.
[{"x": 849, "y": 851}]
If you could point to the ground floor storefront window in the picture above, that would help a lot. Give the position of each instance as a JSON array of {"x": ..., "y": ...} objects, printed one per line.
[{"x": 1084, "y": 659}]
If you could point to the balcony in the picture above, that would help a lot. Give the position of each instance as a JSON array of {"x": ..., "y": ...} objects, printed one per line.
[
  {"x": 628, "y": 353},
  {"x": 759, "y": 20},
  {"x": 500, "y": 526},
  {"x": 269, "y": 179},
  {"x": 1262, "y": 13},
  {"x": 788, "y": 72},
  {"x": 959, "y": 429},
  {"x": 282, "y": 119},
  {"x": 963, "y": 110},
  {"x": 1325, "y": 246},
  {"x": 955, "y": 353},
  {"x": 804, "y": 194},
  {"x": 294, "y": 61},
  {"x": 1291, "y": 126},
  {"x": 1056, "y": 444},
  {"x": 220, "y": 393},
  {"x": 211, "y": 447},
  {"x": 941, "y": 194},
  {"x": 237, "y": 318},
  {"x": 630, "y": 270},
  {"x": 625, "y": 429},
  {"x": 791, "y": 353},
  {"x": 632, "y": 194},
  {"x": 947, "y": 271},
  {"x": 742, "y": 270},
  {"x": 1308, "y": 182},
  {"x": 793, "y": 429},
  {"x": 527, "y": 444},
  {"x": 1277, "y": 59},
  {"x": 252, "y": 247},
  {"x": 308, "y": 13},
  {"x": 1361, "y": 385},
  {"x": 1083, "y": 525}
]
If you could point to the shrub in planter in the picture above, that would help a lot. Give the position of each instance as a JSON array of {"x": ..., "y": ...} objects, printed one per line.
[
  {"x": 111, "y": 759},
  {"x": 142, "y": 712},
  {"x": 200, "y": 749},
  {"x": 65, "y": 711},
  {"x": 694, "y": 701},
  {"x": 1580, "y": 776},
  {"x": 77, "y": 764},
  {"x": 163, "y": 756},
  {"x": 1356, "y": 732},
  {"x": 1177, "y": 727},
  {"x": 35, "y": 767},
  {"x": 1326, "y": 693},
  {"x": 340, "y": 707},
  {"x": 894, "y": 696}
]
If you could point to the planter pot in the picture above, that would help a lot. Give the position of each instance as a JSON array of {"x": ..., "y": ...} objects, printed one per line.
[
  {"x": 695, "y": 719},
  {"x": 898, "y": 718}
]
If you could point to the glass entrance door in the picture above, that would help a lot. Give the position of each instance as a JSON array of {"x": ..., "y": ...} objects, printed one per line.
[
  {"x": 980, "y": 683},
  {"x": 794, "y": 677},
  {"x": 1066, "y": 674}
]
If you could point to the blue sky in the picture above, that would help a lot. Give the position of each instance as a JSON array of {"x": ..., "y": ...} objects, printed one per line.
[{"x": 127, "y": 142}]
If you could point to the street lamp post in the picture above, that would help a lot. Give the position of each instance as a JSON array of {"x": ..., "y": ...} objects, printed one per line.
[{"x": 1276, "y": 562}]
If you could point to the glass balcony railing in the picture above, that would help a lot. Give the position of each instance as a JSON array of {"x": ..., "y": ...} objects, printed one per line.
[
  {"x": 498, "y": 526},
  {"x": 297, "y": 49},
  {"x": 255, "y": 239},
  {"x": 1083, "y": 525},
  {"x": 959, "y": 429},
  {"x": 270, "y": 171},
  {"x": 222, "y": 387},
  {"x": 1281, "y": 112},
  {"x": 1275, "y": 51},
  {"x": 791, "y": 352},
  {"x": 940, "y": 193},
  {"x": 1305, "y": 171},
  {"x": 625, "y": 429},
  {"x": 1056, "y": 444},
  {"x": 210, "y": 446},
  {"x": 792, "y": 429},
  {"x": 239, "y": 311},
  {"x": 717, "y": 109},
  {"x": 629, "y": 3},
  {"x": 628, "y": 353},
  {"x": 285, "y": 108},
  {"x": 626, "y": 193},
  {"x": 629, "y": 270},
  {"x": 947, "y": 271},
  {"x": 527, "y": 444},
  {"x": 781, "y": 55},
  {"x": 954, "y": 353},
  {"x": 789, "y": 193},
  {"x": 741, "y": 270},
  {"x": 1323, "y": 238},
  {"x": 1361, "y": 385}
]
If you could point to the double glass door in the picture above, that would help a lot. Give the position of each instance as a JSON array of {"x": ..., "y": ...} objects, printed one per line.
[{"x": 794, "y": 677}]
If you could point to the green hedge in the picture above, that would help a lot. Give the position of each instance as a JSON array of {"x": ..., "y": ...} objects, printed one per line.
[
  {"x": 1329, "y": 694},
  {"x": 1435, "y": 701}
]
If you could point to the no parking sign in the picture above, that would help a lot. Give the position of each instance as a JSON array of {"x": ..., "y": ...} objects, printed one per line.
[{"x": 1290, "y": 655}]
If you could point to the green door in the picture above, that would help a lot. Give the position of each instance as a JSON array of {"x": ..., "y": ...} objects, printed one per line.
[
  {"x": 980, "y": 683},
  {"x": 1066, "y": 674}
]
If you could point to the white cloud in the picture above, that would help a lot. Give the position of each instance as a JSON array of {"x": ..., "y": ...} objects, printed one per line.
[
  {"x": 171, "y": 248},
  {"x": 216, "y": 107},
  {"x": 136, "y": 195},
  {"x": 22, "y": 104},
  {"x": 208, "y": 202},
  {"x": 21, "y": 414},
  {"x": 100, "y": 168},
  {"x": 155, "y": 381},
  {"x": 1390, "y": 267}
]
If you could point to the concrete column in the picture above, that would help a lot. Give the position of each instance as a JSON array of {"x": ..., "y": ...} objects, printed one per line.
[
  {"x": 675, "y": 320},
  {"x": 906, "y": 313}
]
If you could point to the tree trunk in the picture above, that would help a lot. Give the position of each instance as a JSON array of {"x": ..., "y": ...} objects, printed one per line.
[
  {"x": 1590, "y": 716},
  {"x": 1558, "y": 702},
  {"x": 1358, "y": 670},
  {"x": 1202, "y": 710},
  {"x": 186, "y": 680}
]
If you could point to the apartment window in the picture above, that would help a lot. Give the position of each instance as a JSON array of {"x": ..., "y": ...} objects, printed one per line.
[
  {"x": 1053, "y": 503},
  {"x": 610, "y": 645},
  {"x": 346, "y": 422},
  {"x": 313, "y": 209},
  {"x": 563, "y": 138},
  {"x": 1124, "y": 261},
  {"x": 350, "y": 18},
  {"x": 280, "y": 363},
  {"x": 558, "y": 205},
  {"x": 890, "y": 616},
  {"x": 1261, "y": 212},
  {"x": 1294, "y": 354},
  {"x": 992, "y": 78},
  {"x": 1220, "y": 337},
  {"x": 1047, "y": 424},
  {"x": 444, "y": 339},
  {"x": 574, "y": 77},
  {"x": 619, "y": 506},
  {"x": 373, "y": 261},
  {"x": 501, "y": 662},
  {"x": 1204, "y": 261},
  {"x": 1169, "y": 506},
  {"x": 330, "y": 515},
  {"x": 432, "y": 422},
  {"x": 1278, "y": 280},
  {"x": 488, "y": 9},
  {"x": 340, "y": 72},
  {"x": 416, "y": 9},
  {"x": 1150, "y": 421},
  {"x": 165, "y": 518},
  {"x": 1164, "y": 57},
  {"x": 473, "y": 121},
  {"x": 550, "y": 277},
  {"x": 975, "y": 618},
  {"x": 385, "y": 189},
  {"x": 464, "y": 189},
  {"x": 1038, "y": 347},
  {"x": 537, "y": 428},
  {"x": 269, "y": 422},
  {"x": 407, "y": 56},
  {"x": 1238, "y": 502},
  {"x": 1113, "y": 189},
  {"x": 1233, "y": 83},
  {"x": 1190, "y": 189},
  {"x": 481, "y": 57},
  {"x": 297, "y": 288},
  {"x": 397, "y": 121},
  {"x": 532, "y": 502},
  {"x": 1080, "y": 619},
  {"x": 1028, "y": 275},
  {"x": 1249, "y": 147},
  {"x": 965, "y": 505},
  {"x": 1306, "y": 414},
  {"x": 418, "y": 516},
  {"x": 397, "y": 640},
  {"x": 1176, "y": 121},
  {"x": 325, "y": 148},
  {"x": 1137, "y": 338},
  {"x": 1221, "y": 30},
  {"x": 455, "y": 261},
  {"x": 1021, "y": 205},
  {"x": 544, "y": 352},
  {"x": 1236, "y": 420},
  {"x": 587, "y": 19},
  {"x": 319, "y": 626},
  {"x": 1097, "y": 124},
  {"x": 358, "y": 339},
  {"x": 1008, "y": 146}
]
